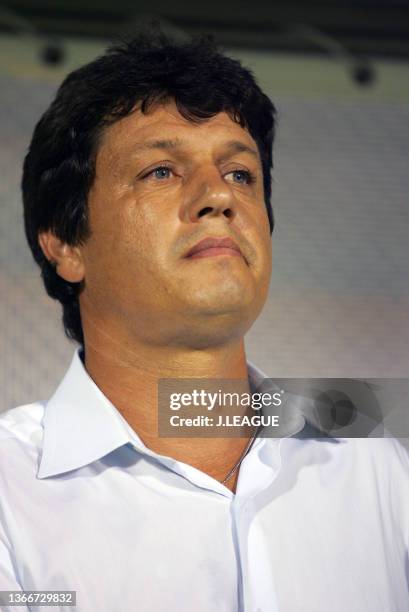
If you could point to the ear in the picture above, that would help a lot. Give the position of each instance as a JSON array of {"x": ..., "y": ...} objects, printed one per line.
[{"x": 67, "y": 258}]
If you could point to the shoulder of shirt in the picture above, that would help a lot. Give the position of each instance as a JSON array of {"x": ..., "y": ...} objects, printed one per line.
[
  {"x": 23, "y": 423},
  {"x": 384, "y": 454},
  {"x": 381, "y": 448}
]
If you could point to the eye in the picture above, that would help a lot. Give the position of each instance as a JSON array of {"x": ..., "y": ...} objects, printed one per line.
[
  {"x": 160, "y": 173},
  {"x": 242, "y": 177}
]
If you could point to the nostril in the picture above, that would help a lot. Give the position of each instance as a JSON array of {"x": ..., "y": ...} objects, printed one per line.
[
  {"x": 204, "y": 211},
  {"x": 228, "y": 212}
]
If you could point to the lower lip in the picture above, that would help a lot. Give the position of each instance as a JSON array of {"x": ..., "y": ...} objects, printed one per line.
[{"x": 216, "y": 251}]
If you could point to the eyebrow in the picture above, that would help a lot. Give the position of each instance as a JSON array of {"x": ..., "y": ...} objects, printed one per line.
[{"x": 233, "y": 146}]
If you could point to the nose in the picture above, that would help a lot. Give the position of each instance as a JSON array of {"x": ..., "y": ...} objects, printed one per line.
[{"x": 211, "y": 196}]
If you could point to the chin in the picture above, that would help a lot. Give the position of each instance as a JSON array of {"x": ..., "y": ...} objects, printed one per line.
[{"x": 221, "y": 297}]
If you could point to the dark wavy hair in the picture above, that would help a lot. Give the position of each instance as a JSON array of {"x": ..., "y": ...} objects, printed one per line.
[{"x": 59, "y": 167}]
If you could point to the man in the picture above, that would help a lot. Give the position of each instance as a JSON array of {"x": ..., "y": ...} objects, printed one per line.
[{"x": 147, "y": 206}]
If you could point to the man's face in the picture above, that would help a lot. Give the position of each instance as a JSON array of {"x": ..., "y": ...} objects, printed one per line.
[{"x": 162, "y": 185}]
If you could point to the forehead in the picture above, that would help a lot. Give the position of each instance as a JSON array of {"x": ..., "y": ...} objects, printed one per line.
[{"x": 165, "y": 122}]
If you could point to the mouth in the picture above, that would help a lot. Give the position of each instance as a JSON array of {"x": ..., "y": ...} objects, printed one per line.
[{"x": 212, "y": 247}]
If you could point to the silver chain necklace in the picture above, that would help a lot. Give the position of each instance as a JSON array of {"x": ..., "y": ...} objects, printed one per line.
[{"x": 243, "y": 454}]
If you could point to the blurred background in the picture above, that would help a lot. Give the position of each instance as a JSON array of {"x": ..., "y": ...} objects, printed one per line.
[{"x": 338, "y": 73}]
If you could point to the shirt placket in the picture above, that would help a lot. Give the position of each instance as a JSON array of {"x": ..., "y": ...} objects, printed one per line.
[{"x": 258, "y": 472}]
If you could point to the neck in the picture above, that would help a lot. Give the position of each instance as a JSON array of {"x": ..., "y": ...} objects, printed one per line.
[{"x": 128, "y": 375}]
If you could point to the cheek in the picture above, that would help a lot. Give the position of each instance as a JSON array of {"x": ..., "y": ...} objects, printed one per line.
[
  {"x": 118, "y": 229},
  {"x": 141, "y": 235},
  {"x": 255, "y": 226},
  {"x": 135, "y": 241},
  {"x": 264, "y": 259}
]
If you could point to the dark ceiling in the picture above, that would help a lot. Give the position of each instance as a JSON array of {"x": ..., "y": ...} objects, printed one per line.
[{"x": 365, "y": 27}]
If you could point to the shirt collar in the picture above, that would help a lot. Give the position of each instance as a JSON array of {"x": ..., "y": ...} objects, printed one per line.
[{"x": 81, "y": 425}]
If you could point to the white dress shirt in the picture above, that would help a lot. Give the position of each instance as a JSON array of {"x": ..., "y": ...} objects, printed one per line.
[{"x": 316, "y": 525}]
